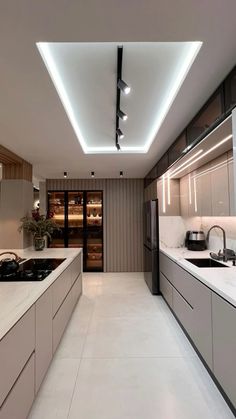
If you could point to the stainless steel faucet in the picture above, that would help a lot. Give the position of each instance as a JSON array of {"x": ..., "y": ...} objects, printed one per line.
[{"x": 224, "y": 253}]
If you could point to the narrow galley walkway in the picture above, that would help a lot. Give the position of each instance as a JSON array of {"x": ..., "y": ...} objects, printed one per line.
[{"x": 124, "y": 356}]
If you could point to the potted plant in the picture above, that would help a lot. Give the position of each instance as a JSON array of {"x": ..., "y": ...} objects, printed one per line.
[{"x": 40, "y": 226}]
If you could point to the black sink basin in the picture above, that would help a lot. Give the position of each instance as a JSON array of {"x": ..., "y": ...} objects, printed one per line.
[{"x": 207, "y": 263}]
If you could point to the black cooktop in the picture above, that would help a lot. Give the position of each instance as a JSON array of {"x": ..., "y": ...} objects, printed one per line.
[{"x": 33, "y": 270}]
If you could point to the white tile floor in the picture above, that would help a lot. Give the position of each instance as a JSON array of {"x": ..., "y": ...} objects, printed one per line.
[{"x": 123, "y": 356}]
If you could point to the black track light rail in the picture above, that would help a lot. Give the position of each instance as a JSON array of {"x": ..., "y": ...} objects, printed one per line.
[{"x": 119, "y": 77}]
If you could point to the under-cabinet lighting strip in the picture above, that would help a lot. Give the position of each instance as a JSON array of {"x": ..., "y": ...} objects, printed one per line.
[
  {"x": 168, "y": 190},
  {"x": 183, "y": 164},
  {"x": 163, "y": 195},
  {"x": 195, "y": 194},
  {"x": 189, "y": 190},
  {"x": 204, "y": 154},
  {"x": 212, "y": 169}
]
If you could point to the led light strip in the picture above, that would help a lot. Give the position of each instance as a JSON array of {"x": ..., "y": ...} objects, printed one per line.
[
  {"x": 168, "y": 190},
  {"x": 212, "y": 169},
  {"x": 189, "y": 190},
  {"x": 195, "y": 194},
  {"x": 163, "y": 195},
  {"x": 187, "y": 161},
  {"x": 181, "y": 73},
  {"x": 205, "y": 154}
]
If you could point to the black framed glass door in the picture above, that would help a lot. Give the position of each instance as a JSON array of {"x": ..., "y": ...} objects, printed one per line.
[
  {"x": 94, "y": 231},
  {"x": 79, "y": 215}
]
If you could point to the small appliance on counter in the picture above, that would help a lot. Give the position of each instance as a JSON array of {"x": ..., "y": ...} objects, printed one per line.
[{"x": 195, "y": 240}]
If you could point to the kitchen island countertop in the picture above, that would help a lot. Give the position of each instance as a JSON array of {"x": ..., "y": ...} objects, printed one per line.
[{"x": 17, "y": 297}]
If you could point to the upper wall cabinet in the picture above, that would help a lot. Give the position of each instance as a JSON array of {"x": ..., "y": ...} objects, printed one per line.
[
  {"x": 209, "y": 191},
  {"x": 168, "y": 196},
  {"x": 177, "y": 149},
  {"x": 231, "y": 184},
  {"x": 206, "y": 119},
  {"x": 220, "y": 187},
  {"x": 230, "y": 91}
]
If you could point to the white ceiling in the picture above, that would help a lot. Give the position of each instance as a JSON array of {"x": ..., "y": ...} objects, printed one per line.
[
  {"x": 85, "y": 74},
  {"x": 33, "y": 122}
]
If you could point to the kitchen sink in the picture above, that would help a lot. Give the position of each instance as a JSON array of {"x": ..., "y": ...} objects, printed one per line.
[{"x": 207, "y": 263}]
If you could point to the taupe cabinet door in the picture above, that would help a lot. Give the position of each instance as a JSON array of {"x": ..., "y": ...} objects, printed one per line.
[
  {"x": 191, "y": 304},
  {"x": 43, "y": 348},
  {"x": 15, "y": 349},
  {"x": 166, "y": 289},
  {"x": 224, "y": 345}
]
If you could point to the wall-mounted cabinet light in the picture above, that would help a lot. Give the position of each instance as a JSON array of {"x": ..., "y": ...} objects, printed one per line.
[
  {"x": 121, "y": 173},
  {"x": 65, "y": 175},
  {"x": 92, "y": 174}
]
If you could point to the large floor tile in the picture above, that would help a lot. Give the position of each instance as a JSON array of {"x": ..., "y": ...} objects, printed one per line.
[
  {"x": 123, "y": 305},
  {"x": 54, "y": 397},
  {"x": 168, "y": 388},
  {"x": 122, "y": 283},
  {"x": 135, "y": 337}
]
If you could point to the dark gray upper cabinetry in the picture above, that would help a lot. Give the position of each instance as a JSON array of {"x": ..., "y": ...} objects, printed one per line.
[
  {"x": 162, "y": 165},
  {"x": 208, "y": 118},
  {"x": 177, "y": 149},
  {"x": 230, "y": 91},
  {"x": 213, "y": 112}
]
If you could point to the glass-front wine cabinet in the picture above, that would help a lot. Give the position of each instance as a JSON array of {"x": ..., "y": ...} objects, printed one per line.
[{"x": 79, "y": 215}]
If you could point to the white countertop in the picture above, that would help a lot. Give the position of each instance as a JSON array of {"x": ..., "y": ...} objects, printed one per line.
[
  {"x": 17, "y": 297},
  {"x": 220, "y": 280}
]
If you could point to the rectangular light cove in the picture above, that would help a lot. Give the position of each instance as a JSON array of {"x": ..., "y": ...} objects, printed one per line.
[{"x": 180, "y": 73}]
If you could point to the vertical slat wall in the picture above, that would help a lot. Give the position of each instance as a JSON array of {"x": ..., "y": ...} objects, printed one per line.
[
  {"x": 124, "y": 225},
  {"x": 75, "y": 184},
  {"x": 123, "y": 219}
]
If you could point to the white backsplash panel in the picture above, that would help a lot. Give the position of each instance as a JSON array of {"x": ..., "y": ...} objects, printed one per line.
[
  {"x": 173, "y": 230},
  {"x": 216, "y": 237}
]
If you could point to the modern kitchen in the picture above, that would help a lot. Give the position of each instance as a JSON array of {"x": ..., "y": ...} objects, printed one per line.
[{"x": 117, "y": 210}]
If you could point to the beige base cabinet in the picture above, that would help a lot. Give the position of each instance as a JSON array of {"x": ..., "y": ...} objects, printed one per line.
[
  {"x": 208, "y": 319},
  {"x": 19, "y": 401},
  {"x": 191, "y": 304},
  {"x": 43, "y": 343},
  {"x": 16, "y": 347},
  {"x": 166, "y": 289},
  {"x": 27, "y": 349},
  {"x": 224, "y": 345}
]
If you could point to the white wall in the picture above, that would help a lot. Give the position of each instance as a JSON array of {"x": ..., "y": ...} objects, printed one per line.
[{"x": 15, "y": 202}]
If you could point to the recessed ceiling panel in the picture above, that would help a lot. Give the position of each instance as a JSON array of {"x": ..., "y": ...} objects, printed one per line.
[{"x": 84, "y": 75}]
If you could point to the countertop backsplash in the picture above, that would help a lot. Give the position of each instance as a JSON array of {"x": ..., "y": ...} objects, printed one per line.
[
  {"x": 216, "y": 237},
  {"x": 173, "y": 230}
]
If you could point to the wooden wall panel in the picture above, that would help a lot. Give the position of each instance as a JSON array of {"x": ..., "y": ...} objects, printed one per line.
[
  {"x": 75, "y": 184},
  {"x": 124, "y": 225},
  {"x": 123, "y": 219}
]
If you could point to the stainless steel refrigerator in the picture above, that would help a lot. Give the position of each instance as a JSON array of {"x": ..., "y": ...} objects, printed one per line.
[{"x": 151, "y": 245}]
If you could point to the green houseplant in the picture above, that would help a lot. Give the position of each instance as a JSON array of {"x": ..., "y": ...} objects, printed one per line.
[{"x": 40, "y": 226}]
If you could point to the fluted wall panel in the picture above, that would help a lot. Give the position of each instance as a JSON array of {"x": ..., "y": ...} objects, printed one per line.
[{"x": 123, "y": 219}]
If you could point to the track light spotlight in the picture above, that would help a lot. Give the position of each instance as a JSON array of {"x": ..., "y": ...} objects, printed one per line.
[
  {"x": 65, "y": 175},
  {"x": 122, "y": 115},
  {"x": 92, "y": 174},
  {"x": 119, "y": 133},
  {"x": 121, "y": 173},
  {"x": 118, "y": 146},
  {"x": 123, "y": 86}
]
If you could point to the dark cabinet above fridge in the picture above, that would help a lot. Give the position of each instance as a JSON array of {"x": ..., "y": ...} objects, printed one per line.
[{"x": 79, "y": 215}]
